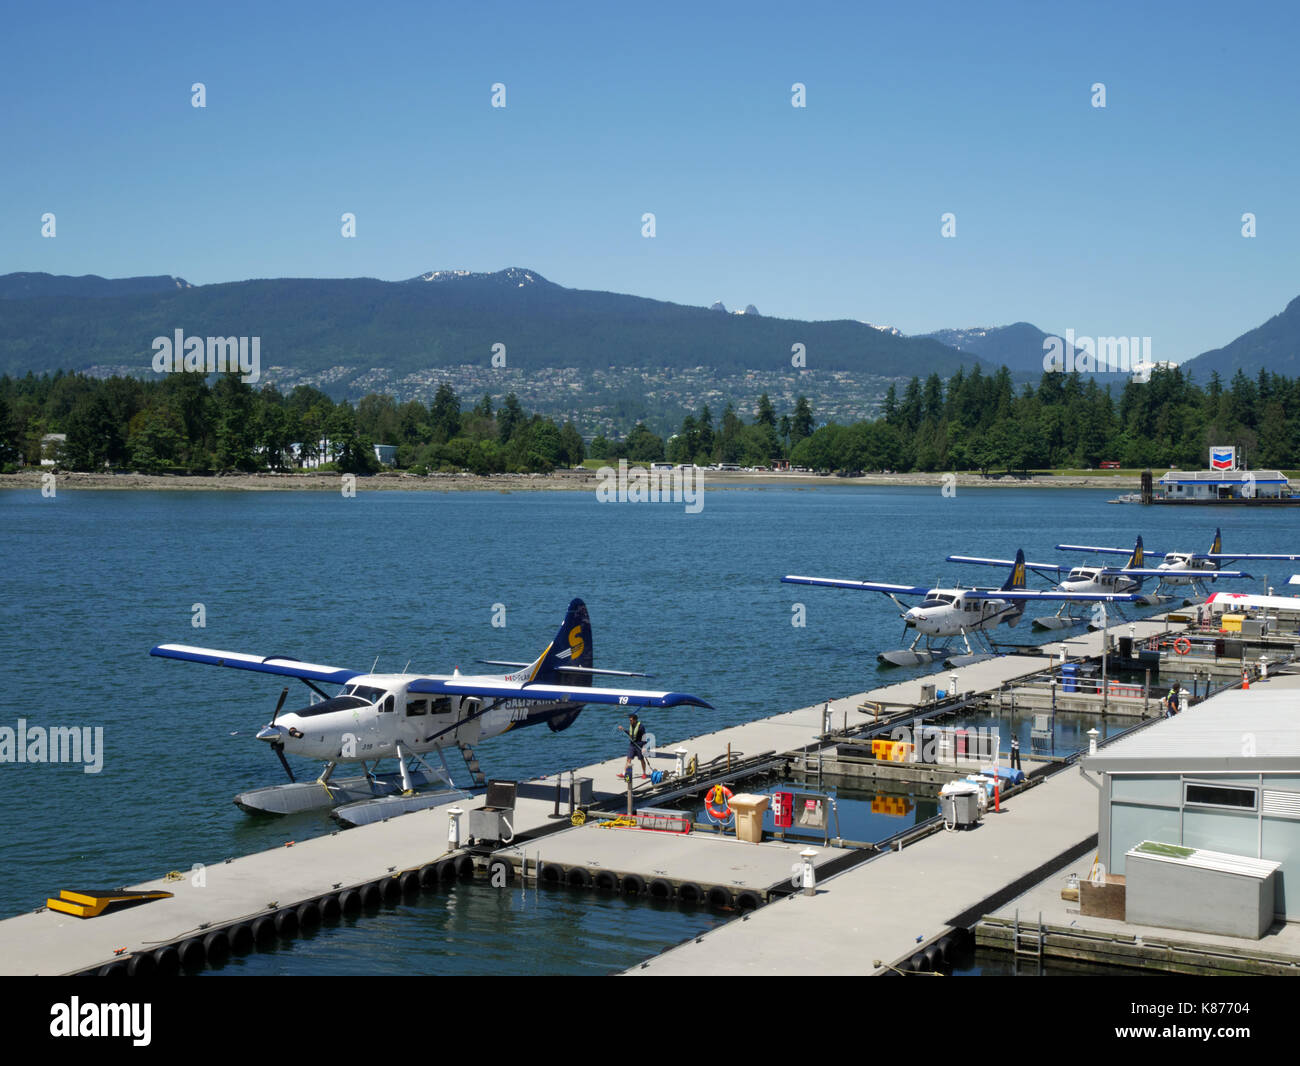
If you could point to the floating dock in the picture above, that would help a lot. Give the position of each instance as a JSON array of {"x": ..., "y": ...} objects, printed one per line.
[
  {"x": 878, "y": 901},
  {"x": 901, "y": 903}
]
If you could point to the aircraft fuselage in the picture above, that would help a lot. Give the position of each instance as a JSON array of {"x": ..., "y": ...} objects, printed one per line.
[
  {"x": 374, "y": 713},
  {"x": 949, "y": 612}
]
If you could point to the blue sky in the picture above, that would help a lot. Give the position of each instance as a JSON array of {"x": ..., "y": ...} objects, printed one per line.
[{"x": 1117, "y": 221}]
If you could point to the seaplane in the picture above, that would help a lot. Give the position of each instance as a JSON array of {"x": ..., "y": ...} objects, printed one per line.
[
  {"x": 1126, "y": 580},
  {"x": 406, "y": 716},
  {"x": 1191, "y": 568},
  {"x": 947, "y": 613}
]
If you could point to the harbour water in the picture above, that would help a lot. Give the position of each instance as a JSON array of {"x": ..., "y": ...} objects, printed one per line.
[{"x": 92, "y": 580}]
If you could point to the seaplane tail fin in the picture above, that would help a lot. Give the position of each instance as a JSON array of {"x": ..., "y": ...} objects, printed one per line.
[
  {"x": 1137, "y": 561},
  {"x": 1216, "y": 548},
  {"x": 1016, "y": 579},
  {"x": 571, "y": 646}
]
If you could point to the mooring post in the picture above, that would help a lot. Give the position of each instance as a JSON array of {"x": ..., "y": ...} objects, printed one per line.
[
  {"x": 809, "y": 874},
  {"x": 453, "y": 828}
]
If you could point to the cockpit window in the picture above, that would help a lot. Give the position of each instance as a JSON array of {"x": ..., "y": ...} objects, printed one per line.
[
  {"x": 366, "y": 692},
  {"x": 338, "y": 703},
  {"x": 937, "y": 601}
]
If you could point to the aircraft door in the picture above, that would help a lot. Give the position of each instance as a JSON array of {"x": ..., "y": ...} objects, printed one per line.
[
  {"x": 471, "y": 728},
  {"x": 387, "y": 722}
]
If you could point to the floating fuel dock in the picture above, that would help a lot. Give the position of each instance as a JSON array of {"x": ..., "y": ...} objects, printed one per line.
[{"x": 878, "y": 906}]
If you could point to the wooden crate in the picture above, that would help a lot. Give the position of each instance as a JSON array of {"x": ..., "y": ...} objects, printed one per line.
[{"x": 1102, "y": 901}]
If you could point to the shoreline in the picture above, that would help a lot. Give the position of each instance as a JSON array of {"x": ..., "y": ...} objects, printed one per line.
[{"x": 558, "y": 481}]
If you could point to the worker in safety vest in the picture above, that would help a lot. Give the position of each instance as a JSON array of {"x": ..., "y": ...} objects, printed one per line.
[
  {"x": 1171, "y": 701},
  {"x": 636, "y": 744}
]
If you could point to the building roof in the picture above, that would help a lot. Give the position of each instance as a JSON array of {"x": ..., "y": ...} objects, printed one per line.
[
  {"x": 1255, "y": 731},
  {"x": 1227, "y": 477}
]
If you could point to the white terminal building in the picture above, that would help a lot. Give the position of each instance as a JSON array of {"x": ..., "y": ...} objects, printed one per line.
[{"x": 1224, "y": 777}]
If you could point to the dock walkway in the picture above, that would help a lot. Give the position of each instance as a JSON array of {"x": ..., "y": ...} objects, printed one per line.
[{"x": 887, "y": 908}]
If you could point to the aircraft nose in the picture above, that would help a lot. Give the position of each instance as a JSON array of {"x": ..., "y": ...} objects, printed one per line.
[{"x": 270, "y": 733}]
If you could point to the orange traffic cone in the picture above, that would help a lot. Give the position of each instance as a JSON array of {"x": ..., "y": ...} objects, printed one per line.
[{"x": 1245, "y": 679}]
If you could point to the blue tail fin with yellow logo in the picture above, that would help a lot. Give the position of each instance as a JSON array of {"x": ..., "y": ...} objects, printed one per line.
[
  {"x": 1016, "y": 579},
  {"x": 571, "y": 647},
  {"x": 1137, "y": 560},
  {"x": 1216, "y": 548}
]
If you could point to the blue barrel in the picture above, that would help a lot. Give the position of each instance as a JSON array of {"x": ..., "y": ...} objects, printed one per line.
[{"x": 1069, "y": 677}]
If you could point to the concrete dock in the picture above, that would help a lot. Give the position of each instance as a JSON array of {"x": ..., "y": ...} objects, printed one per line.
[
  {"x": 857, "y": 917},
  {"x": 230, "y": 902},
  {"x": 688, "y": 866}
]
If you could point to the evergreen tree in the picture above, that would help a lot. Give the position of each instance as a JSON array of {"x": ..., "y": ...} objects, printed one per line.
[
  {"x": 509, "y": 418},
  {"x": 802, "y": 425},
  {"x": 444, "y": 414}
]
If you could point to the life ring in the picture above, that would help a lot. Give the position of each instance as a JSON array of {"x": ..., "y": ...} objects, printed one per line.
[
  {"x": 720, "y": 794},
  {"x": 1182, "y": 646}
]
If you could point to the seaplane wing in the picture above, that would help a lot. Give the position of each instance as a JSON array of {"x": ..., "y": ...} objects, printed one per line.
[
  {"x": 1049, "y": 594},
  {"x": 862, "y": 586},
  {"x": 1101, "y": 551},
  {"x": 499, "y": 688},
  {"x": 274, "y": 664},
  {"x": 1200, "y": 575},
  {"x": 980, "y": 561}
]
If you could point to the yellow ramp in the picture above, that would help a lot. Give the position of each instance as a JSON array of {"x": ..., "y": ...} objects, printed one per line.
[{"x": 91, "y": 902}]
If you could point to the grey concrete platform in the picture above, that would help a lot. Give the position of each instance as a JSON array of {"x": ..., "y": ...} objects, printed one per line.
[
  {"x": 705, "y": 859},
  {"x": 890, "y": 906},
  {"x": 242, "y": 889}
]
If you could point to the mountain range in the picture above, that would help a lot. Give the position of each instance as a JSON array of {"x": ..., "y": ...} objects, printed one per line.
[
  {"x": 344, "y": 327},
  {"x": 444, "y": 318}
]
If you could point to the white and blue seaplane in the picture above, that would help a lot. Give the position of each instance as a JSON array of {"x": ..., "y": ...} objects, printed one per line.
[
  {"x": 406, "y": 716},
  {"x": 1181, "y": 568},
  {"x": 1126, "y": 580},
  {"x": 947, "y": 613}
]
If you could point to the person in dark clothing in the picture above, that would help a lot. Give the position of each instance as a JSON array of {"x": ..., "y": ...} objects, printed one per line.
[
  {"x": 1015, "y": 752},
  {"x": 1171, "y": 701},
  {"x": 636, "y": 744}
]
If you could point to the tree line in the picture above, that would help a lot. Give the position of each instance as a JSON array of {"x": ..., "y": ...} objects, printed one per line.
[
  {"x": 974, "y": 421},
  {"x": 185, "y": 424},
  {"x": 978, "y": 421}
]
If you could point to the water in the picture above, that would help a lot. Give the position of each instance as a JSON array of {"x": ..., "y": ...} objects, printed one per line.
[
  {"x": 91, "y": 580},
  {"x": 865, "y": 812}
]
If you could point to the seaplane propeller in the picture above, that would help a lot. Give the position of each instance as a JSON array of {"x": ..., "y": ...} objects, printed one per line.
[{"x": 273, "y": 733}]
